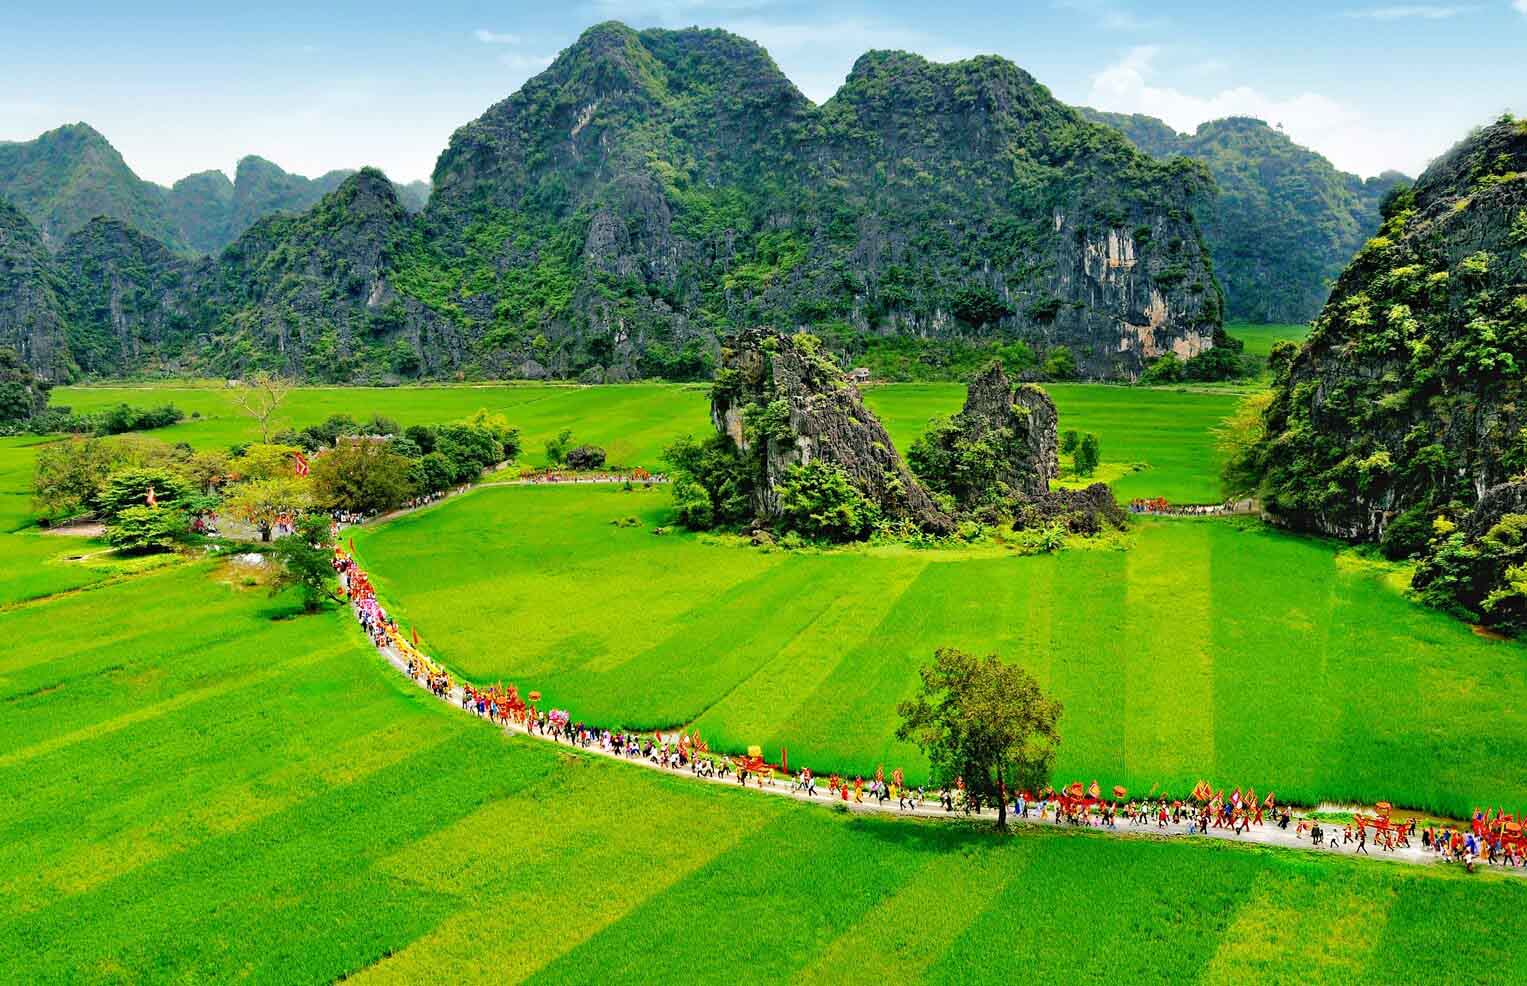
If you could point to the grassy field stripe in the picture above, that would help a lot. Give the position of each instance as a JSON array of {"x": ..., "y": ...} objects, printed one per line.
[
  {"x": 1304, "y": 930},
  {"x": 184, "y": 699},
  {"x": 1169, "y": 716},
  {"x": 908, "y": 930},
  {"x": 229, "y": 809},
  {"x": 779, "y": 897},
  {"x": 553, "y": 867},
  {"x": 1091, "y": 680},
  {"x": 771, "y": 697}
]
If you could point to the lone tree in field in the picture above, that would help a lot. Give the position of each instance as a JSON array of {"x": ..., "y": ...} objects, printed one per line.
[
  {"x": 260, "y": 397},
  {"x": 985, "y": 722},
  {"x": 306, "y": 561}
]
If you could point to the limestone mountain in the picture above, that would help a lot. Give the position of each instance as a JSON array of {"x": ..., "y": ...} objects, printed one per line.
[
  {"x": 651, "y": 191},
  {"x": 124, "y": 299},
  {"x": 68, "y": 176},
  {"x": 781, "y": 403},
  {"x": 310, "y": 294},
  {"x": 1408, "y": 398},
  {"x": 32, "y": 316},
  {"x": 1284, "y": 221}
]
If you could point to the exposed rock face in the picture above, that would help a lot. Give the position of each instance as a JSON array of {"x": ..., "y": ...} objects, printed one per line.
[
  {"x": 1025, "y": 419},
  {"x": 817, "y": 414},
  {"x": 125, "y": 298},
  {"x": 1283, "y": 222},
  {"x": 32, "y": 317},
  {"x": 1409, "y": 393},
  {"x": 1497, "y": 502}
]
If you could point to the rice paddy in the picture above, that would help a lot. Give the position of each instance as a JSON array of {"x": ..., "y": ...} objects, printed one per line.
[
  {"x": 218, "y": 791},
  {"x": 1166, "y": 433},
  {"x": 199, "y": 785},
  {"x": 1208, "y": 648}
]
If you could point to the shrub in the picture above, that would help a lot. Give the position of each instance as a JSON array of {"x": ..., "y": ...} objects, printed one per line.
[
  {"x": 818, "y": 501},
  {"x": 144, "y": 529},
  {"x": 1060, "y": 364},
  {"x": 586, "y": 457},
  {"x": 1166, "y": 368},
  {"x": 1407, "y": 535}
]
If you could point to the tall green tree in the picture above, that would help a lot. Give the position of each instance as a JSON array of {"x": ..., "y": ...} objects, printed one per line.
[
  {"x": 362, "y": 475},
  {"x": 1087, "y": 455},
  {"x": 306, "y": 560},
  {"x": 983, "y": 722}
]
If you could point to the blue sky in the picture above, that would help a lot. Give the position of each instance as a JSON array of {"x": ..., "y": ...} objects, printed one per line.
[{"x": 180, "y": 87}]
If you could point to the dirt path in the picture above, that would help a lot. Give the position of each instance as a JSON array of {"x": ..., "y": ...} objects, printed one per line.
[{"x": 1269, "y": 835}]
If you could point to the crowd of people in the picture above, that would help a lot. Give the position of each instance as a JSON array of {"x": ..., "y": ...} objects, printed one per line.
[
  {"x": 638, "y": 475},
  {"x": 1494, "y": 838},
  {"x": 1159, "y": 507}
]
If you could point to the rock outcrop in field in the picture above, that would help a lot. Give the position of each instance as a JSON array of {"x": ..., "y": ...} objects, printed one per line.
[{"x": 782, "y": 402}]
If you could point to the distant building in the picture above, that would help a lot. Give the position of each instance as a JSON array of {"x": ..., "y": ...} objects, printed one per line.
[{"x": 859, "y": 374}]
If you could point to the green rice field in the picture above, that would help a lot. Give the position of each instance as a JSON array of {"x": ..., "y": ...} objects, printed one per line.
[
  {"x": 218, "y": 791},
  {"x": 1166, "y": 432},
  {"x": 1213, "y": 648}
]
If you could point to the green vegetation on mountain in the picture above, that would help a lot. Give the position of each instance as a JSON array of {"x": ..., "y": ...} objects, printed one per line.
[
  {"x": 68, "y": 176},
  {"x": 1405, "y": 405},
  {"x": 652, "y": 191},
  {"x": 1285, "y": 221},
  {"x": 32, "y": 298}
]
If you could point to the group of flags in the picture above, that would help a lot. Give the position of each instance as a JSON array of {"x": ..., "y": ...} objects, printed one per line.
[{"x": 1204, "y": 791}]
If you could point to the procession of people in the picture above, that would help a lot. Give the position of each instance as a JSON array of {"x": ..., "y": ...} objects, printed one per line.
[{"x": 1493, "y": 837}]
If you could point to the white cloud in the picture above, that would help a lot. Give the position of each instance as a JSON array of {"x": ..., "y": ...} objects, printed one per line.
[
  {"x": 1110, "y": 16},
  {"x": 1334, "y": 129},
  {"x": 1403, "y": 12},
  {"x": 488, "y": 37},
  {"x": 1520, "y": 5}
]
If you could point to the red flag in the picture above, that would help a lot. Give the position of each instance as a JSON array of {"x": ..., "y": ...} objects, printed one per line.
[
  {"x": 416, "y": 635},
  {"x": 1094, "y": 790},
  {"x": 153, "y": 500},
  {"x": 300, "y": 463},
  {"x": 352, "y": 545}
]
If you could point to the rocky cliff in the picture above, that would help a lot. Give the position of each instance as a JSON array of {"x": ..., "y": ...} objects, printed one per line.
[
  {"x": 651, "y": 190},
  {"x": 1283, "y": 221},
  {"x": 125, "y": 299},
  {"x": 783, "y": 403},
  {"x": 1000, "y": 447},
  {"x": 1408, "y": 394},
  {"x": 32, "y": 317},
  {"x": 310, "y": 295}
]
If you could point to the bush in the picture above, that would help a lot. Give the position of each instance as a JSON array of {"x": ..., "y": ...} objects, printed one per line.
[
  {"x": 715, "y": 467},
  {"x": 1166, "y": 368},
  {"x": 121, "y": 418},
  {"x": 1060, "y": 364},
  {"x": 586, "y": 457},
  {"x": 817, "y": 501},
  {"x": 144, "y": 529},
  {"x": 1407, "y": 535}
]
